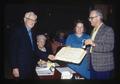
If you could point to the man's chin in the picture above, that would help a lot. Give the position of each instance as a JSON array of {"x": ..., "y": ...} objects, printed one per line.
[{"x": 30, "y": 27}]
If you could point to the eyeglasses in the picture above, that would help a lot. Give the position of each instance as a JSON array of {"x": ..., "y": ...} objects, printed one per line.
[
  {"x": 31, "y": 19},
  {"x": 91, "y": 18}
]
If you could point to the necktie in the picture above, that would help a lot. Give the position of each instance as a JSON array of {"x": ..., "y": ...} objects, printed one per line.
[
  {"x": 93, "y": 37},
  {"x": 30, "y": 35},
  {"x": 93, "y": 33}
]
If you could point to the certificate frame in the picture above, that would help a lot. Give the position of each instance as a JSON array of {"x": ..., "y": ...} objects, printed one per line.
[{"x": 69, "y": 54}]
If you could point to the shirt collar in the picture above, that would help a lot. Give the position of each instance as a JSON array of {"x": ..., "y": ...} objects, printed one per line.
[{"x": 98, "y": 27}]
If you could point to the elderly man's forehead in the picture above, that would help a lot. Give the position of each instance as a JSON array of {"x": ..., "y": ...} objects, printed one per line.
[
  {"x": 93, "y": 12},
  {"x": 31, "y": 15}
]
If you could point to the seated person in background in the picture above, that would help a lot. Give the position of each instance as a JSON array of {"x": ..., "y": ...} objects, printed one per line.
[
  {"x": 58, "y": 41},
  {"x": 61, "y": 37},
  {"x": 76, "y": 40},
  {"x": 55, "y": 44},
  {"x": 43, "y": 52}
]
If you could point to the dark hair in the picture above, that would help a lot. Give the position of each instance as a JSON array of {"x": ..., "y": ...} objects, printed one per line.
[{"x": 79, "y": 21}]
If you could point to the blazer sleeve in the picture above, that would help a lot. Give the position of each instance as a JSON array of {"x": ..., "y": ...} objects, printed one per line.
[
  {"x": 106, "y": 42},
  {"x": 13, "y": 49}
]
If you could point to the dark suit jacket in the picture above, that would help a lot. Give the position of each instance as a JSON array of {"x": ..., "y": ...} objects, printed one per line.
[
  {"x": 22, "y": 55},
  {"x": 102, "y": 58}
]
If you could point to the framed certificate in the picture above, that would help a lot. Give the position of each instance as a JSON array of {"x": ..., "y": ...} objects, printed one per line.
[{"x": 68, "y": 54}]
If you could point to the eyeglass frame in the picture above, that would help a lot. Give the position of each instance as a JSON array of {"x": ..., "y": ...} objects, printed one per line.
[
  {"x": 91, "y": 18},
  {"x": 31, "y": 19}
]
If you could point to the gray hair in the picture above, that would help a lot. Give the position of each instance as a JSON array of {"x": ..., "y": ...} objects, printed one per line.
[
  {"x": 29, "y": 14},
  {"x": 99, "y": 13},
  {"x": 41, "y": 36}
]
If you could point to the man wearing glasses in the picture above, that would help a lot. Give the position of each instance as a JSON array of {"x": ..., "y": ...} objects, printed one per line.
[
  {"x": 22, "y": 48},
  {"x": 101, "y": 50}
]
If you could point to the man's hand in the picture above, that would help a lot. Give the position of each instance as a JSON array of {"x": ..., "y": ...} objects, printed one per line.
[
  {"x": 16, "y": 72},
  {"x": 89, "y": 42}
]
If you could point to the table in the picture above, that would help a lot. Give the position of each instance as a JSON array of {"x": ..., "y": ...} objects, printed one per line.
[{"x": 57, "y": 76}]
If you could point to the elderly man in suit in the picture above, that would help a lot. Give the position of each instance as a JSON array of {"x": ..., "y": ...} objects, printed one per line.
[
  {"x": 22, "y": 48},
  {"x": 102, "y": 45}
]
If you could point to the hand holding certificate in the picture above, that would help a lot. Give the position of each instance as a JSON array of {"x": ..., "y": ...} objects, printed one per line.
[{"x": 68, "y": 54}]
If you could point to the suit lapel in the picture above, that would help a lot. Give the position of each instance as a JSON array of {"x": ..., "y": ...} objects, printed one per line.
[
  {"x": 100, "y": 32},
  {"x": 27, "y": 38}
]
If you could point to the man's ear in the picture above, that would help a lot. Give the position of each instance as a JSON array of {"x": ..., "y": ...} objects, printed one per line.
[
  {"x": 99, "y": 17},
  {"x": 24, "y": 19}
]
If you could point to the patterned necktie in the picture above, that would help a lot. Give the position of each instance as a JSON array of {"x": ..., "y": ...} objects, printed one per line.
[{"x": 30, "y": 35}]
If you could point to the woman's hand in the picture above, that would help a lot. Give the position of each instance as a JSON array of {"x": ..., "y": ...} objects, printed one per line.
[{"x": 51, "y": 57}]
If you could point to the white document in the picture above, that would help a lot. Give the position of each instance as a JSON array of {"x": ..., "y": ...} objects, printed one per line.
[
  {"x": 56, "y": 64},
  {"x": 68, "y": 54},
  {"x": 62, "y": 69},
  {"x": 43, "y": 71}
]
